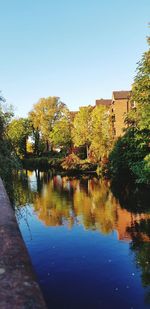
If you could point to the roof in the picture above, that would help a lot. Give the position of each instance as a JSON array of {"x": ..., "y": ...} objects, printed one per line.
[
  {"x": 105, "y": 102},
  {"x": 117, "y": 95},
  {"x": 85, "y": 106},
  {"x": 73, "y": 114}
]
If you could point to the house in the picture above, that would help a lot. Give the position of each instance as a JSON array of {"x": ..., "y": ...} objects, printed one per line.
[
  {"x": 72, "y": 115},
  {"x": 120, "y": 106},
  {"x": 105, "y": 102}
]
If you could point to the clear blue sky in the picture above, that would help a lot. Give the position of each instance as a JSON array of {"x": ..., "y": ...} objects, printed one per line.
[{"x": 79, "y": 50}]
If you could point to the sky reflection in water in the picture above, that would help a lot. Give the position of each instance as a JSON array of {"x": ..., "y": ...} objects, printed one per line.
[{"x": 87, "y": 251}]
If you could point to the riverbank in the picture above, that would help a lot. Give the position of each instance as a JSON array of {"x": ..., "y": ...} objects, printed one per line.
[
  {"x": 57, "y": 164},
  {"x": 18, "y": 284}
]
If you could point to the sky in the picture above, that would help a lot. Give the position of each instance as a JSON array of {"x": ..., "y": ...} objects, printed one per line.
[{"x": 79, "y": 50}]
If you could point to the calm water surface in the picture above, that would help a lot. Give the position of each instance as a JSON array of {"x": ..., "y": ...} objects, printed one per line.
[{"x": 88, "y": 251}]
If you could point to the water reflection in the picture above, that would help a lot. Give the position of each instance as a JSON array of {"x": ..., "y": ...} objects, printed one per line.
[
  {"x": 67, "y": 201},
  {"x": 89, "y": 202},
  {"x": 140, "y": 234}
]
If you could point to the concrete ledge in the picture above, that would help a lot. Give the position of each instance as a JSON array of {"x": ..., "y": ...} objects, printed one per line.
[{"x": 18, "y": 286}]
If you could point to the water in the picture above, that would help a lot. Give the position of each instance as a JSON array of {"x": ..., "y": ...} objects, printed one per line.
[{"x": 87, "y": 250}]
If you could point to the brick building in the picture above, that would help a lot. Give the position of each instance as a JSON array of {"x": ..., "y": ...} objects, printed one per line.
[
  {"x": 105, "y": 102},
  {"x": 119, "y": 106}
]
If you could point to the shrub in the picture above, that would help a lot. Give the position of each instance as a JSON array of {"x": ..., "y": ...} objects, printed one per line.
[
  {"x": 142, "y": 170},
  {"x": 70, "y": 162},
  {"x": 129, "y": 157}
]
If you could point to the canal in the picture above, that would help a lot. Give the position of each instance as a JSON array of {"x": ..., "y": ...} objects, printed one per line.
[{"x": 88, "y": 249}]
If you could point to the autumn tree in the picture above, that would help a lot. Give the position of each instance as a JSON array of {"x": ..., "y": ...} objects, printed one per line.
[
  {"x": 82, "y": 128},
  {"x": 101, "y": 133},
  {"x": 44, "y": 115}
]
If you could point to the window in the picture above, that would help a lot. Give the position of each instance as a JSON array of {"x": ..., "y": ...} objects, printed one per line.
[
  {"x": 133, "y": 104},
  {"x": 113, "y": 118}
]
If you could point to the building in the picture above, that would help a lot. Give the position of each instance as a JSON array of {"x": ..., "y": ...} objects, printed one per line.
[
  {"x": 105, "y": 102},
  {"x": 120, "y": 106},
  {"x": 72, "y": 115}
]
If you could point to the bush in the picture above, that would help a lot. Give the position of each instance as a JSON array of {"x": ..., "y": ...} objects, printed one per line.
[
  {"x": 142, "y": 170},
  {"x": 129, "y": 157},
  {"x": 71, "y": 162},
  {"x": 8, "y": 162}
]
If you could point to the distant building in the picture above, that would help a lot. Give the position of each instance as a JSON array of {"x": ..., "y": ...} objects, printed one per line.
[
  {"x": 105, "y": 102},
  {"x": 119, "y": 108},
  {"x": 72, "y": 115},
  {"x": 85, "y": 106}
]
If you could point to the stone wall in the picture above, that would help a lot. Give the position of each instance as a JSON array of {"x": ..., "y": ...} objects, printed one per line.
[{"x": 18, "y": 285}]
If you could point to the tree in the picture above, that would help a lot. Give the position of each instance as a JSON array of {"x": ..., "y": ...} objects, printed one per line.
[
  {"x": 140, "y": 116},
  {"x": 82, "y": 128},
  {"x": 127, "y": 159},
  {"x": 44, "y": 115},
  {"x": 61, "y": 133},
  {"x": 18, "y": 132},
  {"x": 6, "y": 113},
  {"x": 131, "y": 153},
  {"x": 7, "y": 157},
  {"x": 101, "y": 133}
]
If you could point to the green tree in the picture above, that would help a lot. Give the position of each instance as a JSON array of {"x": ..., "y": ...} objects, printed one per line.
[
  {"x": 141, "y": 92},
  {"x": 129, "y": 156},
  {"x": 44, "y": 115},
  {"x": 131, "y": 153},
  {"x": 38, "y": 144},
  {"x": 61, "y": 133},
  {"x": 82, "y": 128},
  {"x": 7, "y": 156},
  {"x": 6, "y": 113},
  {"x": 18, "y": 132}
]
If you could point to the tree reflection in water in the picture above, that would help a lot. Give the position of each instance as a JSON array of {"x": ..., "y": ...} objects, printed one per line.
[{"x": 90, "y": 202}]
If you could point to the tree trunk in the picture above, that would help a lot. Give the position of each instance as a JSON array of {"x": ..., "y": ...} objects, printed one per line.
[
  {"x": 87, "y": 151},
  {"x": 25, "y": 147},
  {"x": 36, "y": 142},
  {"x": 47, "y": 146}
]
